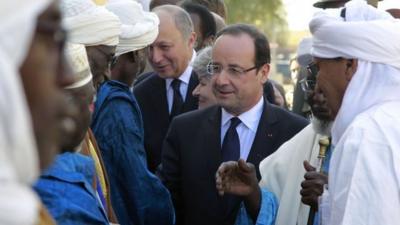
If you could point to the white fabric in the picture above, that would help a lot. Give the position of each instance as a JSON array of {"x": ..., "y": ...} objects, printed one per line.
[
  {"x": 364, "y": 175},
  {"x": 139, "y": 28},
  {"x": 90, "y": 24},
  {"x": 375, "y": 43},
  {"x": 364, "y": 180},
  {"x": 282, "y": 173},
  {"x": 18, "y": 155},
  {"x": 304, "y": 56},
  {"x": 184, "y": 78},
  {"x": 78, "y": 61},
  {"x": 247, "y": 129}
]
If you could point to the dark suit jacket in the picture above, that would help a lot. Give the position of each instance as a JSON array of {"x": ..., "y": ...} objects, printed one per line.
[
  {"x": 152, "y": 98},
  {"x": 192, "y": 155}
]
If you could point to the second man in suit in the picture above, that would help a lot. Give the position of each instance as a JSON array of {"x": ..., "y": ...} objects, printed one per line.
[{"x": 167, "y": 92}]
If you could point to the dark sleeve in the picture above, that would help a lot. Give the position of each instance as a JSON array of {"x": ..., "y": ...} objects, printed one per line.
[
  {"x": 121, "y": 141},
  {"x": 171, "y": 170}
]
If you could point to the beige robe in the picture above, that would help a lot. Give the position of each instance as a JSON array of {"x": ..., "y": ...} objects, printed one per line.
[{"x": 283, "y": 171}]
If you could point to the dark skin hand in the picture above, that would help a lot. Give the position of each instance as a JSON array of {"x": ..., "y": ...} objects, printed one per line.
[
  {"x": 239, "y": 178},
  {"x": 312, "y": 186}
]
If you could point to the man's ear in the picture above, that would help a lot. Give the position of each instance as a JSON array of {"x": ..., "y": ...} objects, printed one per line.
[
  {"x": 209, "y": 41},
  {"x": 192, "y": 39},
  {"x": 264, "y": 70},
  {"x": 135, "y": 56},
  {"x": 351, "y": 68}
]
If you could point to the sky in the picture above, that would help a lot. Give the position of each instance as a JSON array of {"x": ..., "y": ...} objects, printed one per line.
[{"x": 299, "y": 12}]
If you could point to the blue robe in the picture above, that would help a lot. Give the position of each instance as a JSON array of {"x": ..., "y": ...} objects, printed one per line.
[
  {"x": 267, "y": 214},
  {"x": 138, "y": 196},
  {"x": 65, "y": 188}
]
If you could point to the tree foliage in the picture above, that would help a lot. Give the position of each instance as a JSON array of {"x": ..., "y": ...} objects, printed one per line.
[{"x": 268, "y": 15}]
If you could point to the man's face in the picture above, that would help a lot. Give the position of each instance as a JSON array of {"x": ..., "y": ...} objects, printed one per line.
[
  {"x": 43, "y": 75},
  {"x": 100, "y": 58},
  {"x": 170, "y": 53},
  {"x": 237, "y": 92},
  {"x": 204, "y": 92},
  {"x": 82, "y": 98},
  {"x": 332, "y": 80},
  {"x": 128, "y": 66}
]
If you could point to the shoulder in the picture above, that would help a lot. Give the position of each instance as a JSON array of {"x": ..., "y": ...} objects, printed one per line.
[
  {"x": 195, "y": 118},
  {"x": 285, "y": 117},
  {"x": 147, "y": 80}
]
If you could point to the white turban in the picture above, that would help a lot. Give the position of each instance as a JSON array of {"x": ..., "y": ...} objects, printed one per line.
[
  {"x": 373, "y": 37},
  {"x": 19, "y": 165},
  {"x": 78, "y": 61},
  {"x": 90, "y": 24},
  {"x": 304, "y": 52},
  {"x": 139, "y": 28}
]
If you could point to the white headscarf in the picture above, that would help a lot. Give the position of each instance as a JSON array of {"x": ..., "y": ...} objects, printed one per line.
[
  {"x": 78, "y": 61},
  {"x": 371, "y": 36},
  {"x": 18, "y": 155},
  {"x": 90, "y": 24},
  {"x": 139, "y": 28}
]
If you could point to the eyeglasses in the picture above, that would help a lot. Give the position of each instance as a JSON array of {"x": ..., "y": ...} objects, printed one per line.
[
  {"x": 313, "y": 70},
  {"x": 214, "y": 69},
  {"x": 307, "y": 85}
]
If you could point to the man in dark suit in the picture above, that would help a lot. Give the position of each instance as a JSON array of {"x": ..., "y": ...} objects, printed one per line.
[
  {"x": 167, "y": 92},
  {"x": 243, "y": 126}
]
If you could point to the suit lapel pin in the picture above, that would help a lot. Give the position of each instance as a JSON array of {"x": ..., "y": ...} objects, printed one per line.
[{"x": 269, "y": 135}]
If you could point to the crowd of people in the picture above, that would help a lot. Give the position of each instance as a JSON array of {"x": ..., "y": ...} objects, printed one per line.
[{"x": 160, "y": 113}]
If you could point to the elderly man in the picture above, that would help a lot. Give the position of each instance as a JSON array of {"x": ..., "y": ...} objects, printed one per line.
[
  {"x": 167, "y": 92},
  {"x": 138, "y": 197},
  {"x": 242, "y": 125},
  {"x": 360, "y": 79},
  {"x": 96, "y": 28},
  {"x": 203, "y": 90}
]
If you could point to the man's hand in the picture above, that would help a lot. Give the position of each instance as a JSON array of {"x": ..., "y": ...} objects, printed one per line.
[
  {"x": 312, "y": 186},
  {"x": 238, "y": 178}
]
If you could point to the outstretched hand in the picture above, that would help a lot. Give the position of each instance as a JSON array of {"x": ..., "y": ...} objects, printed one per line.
[
  {"x": 312, "y": 186},
  {"x": 237, "y": 178}
]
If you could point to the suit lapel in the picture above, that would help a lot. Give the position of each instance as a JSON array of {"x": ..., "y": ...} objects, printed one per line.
[
  {"x": 159, "y": 98},
  {"x": 191, "y": 102},
  {"x": 212, "y": 139},
  {"x": 264, "y": 140}
]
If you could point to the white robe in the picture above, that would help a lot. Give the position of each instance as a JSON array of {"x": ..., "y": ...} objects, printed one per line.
[
  {"x": 364, "y": 175},
  {"x": 283, "y": 171}
]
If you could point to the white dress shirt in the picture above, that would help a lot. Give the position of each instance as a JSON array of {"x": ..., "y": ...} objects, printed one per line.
[
  {"x": 246, "y": 129},
  {"x": 183, "y": 88}
]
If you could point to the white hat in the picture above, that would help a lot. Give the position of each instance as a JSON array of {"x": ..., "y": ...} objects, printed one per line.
[
  {"x": 90, "y": 24},
  {"x": 77, "y": 59},
  {"x": 139, "y": 28}
]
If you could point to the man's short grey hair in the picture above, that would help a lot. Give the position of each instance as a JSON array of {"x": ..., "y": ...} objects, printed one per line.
[
  {"x": 200, "y": 63},
  {"x": 182, "y": 19}
]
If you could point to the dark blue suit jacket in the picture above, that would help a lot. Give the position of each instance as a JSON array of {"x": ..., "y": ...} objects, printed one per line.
[{"x": 152, "y": 98}]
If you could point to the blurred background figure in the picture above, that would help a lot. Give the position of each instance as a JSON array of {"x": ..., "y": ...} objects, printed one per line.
[{"x": 203, "y": 22}]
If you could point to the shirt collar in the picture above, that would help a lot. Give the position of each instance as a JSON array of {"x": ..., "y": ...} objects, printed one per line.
[
  {"x": 185, "y": 76},
  {"x": 249, "y": 118}
]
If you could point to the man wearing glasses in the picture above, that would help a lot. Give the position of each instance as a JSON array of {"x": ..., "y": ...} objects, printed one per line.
[{"x": 242, "y": 126}]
